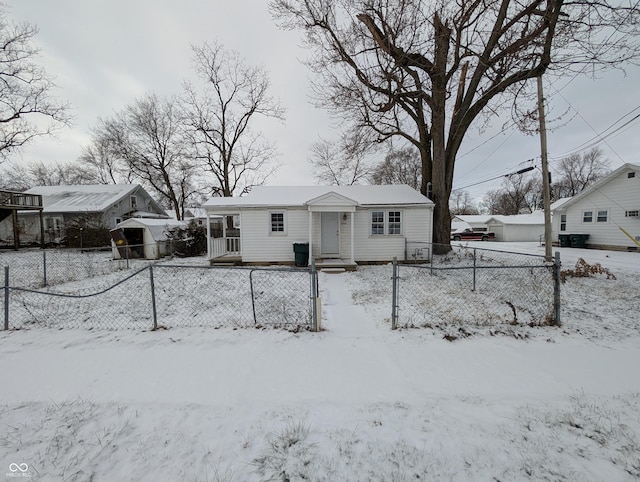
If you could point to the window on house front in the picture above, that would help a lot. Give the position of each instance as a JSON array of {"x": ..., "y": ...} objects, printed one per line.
[
  {"x": 386, "y": 222},
  {"x": 134, "y": 202},
  {"x": 631, "y": 174},
  {"x": 394, "y": 222},
  {"x": 377, "y": 222},
  {"x": 563, "y": 222},
  {"x": 277, "y": 222},
  {"x": 632, "y": 214},
  {"x": 602, "y": 216},
  {"x": 587, "y": 217}
]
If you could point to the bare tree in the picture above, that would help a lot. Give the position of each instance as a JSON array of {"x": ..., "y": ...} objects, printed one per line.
[
  {"x": 219, "y": 120},
  {"x": 100, "y": 158},
  {"x": 425, "y": 71},
  {"x": 341, "y": 162},
  {"x": 146, "y": 135},
  {"x": 579, "y": 171},
  {"x": 402, "y": 166},
  {"x": 461, "y": 203},
  {"x": 519, "y": 194},
  {"x": 20, "y": 177},
  {"x": 27, "y": 108}
]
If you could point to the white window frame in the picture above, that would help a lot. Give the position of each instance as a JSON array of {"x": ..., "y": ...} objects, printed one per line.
[
  {"x": 584, "y": 216},
  {"x": 563, "y": 222},
  {"x": 385, "y": 225},
  {"x": 284, "y": 223},
  {"x": 377, "y": 223},
  {"x": 394, "y": 223},
  {"x": 633, "y": 213},
  {"x": 605, "y": 216}
]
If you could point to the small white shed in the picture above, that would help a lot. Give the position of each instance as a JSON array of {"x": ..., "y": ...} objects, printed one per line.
[
  {"x": 518, "y": 228},
  {"x": 143, "y": 237}
]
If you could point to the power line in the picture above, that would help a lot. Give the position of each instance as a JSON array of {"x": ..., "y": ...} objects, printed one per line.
[{"x": 521, "y": 171}]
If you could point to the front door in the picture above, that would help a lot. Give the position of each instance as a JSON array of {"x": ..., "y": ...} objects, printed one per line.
[{"x": 329, "y": 240}]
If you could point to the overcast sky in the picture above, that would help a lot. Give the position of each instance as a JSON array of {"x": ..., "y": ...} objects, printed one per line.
[{"x": 105, "y": 54}]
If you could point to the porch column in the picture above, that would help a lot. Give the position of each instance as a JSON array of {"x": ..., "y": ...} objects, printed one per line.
[
  {"x": 352, "y": 216},
  {"x": 208, "y": 236},
  {"x": 310, "y": 236}
]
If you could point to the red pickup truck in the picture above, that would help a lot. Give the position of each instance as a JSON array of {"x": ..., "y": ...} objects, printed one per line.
[{"x": 471, "y": 235}]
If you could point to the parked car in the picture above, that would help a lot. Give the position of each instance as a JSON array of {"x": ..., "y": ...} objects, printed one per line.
[{"x": 471, "y": 235}]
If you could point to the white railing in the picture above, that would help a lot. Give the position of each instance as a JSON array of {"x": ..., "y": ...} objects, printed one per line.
[
  {"x": 225, "y": 246},
  {"x": 233, "y": 246}
]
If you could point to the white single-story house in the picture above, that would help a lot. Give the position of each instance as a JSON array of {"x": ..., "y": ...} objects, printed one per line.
[
  {"x": 608, "y": 212},
  {"x": 515, "y": 228},
  {"x": 81, "y": 206},
  {"x": 346, "y": 224},
  {"x": 143, "y": 237}
]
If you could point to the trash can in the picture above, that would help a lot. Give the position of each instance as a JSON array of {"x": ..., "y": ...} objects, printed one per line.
[
  {"x": 565, "y": 240},
  {"x": 301, "y": 253},
  {"x": 579, "y": 240}
]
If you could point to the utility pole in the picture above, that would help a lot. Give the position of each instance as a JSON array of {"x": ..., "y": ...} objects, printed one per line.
[{"x": 546, "y": 196}]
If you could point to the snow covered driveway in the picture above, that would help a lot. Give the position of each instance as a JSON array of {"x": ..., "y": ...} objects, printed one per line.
[{"x": 354, "y": 402}]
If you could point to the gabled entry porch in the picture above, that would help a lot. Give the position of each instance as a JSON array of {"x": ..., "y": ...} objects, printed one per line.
[{"x": 332, "y": 230}]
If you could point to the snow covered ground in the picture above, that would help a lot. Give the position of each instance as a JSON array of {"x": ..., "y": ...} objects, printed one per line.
[{"x": 356, "y": 401}]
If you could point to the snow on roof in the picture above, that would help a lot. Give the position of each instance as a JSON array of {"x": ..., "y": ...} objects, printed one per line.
[
  {"x": 81, "y": 198},
  {"x": 157, "y": 227},
  {"x": 559, "y": 203},
  {"x": 533, "y": 218},
  {"x": 300, "y": 195},
  {"x": 474, "y": 218}
]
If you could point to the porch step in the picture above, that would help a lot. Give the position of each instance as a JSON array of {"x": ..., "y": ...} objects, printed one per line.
[{"x": 332, "y": 270}]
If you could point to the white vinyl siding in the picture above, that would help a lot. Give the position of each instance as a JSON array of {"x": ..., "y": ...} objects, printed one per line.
[{"x": 616, "y": 197}]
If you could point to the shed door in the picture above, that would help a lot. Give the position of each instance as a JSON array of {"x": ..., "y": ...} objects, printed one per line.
[{"x": 330, "y": 227}]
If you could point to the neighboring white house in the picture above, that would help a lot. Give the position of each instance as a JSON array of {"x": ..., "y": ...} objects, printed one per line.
[
  {"x": 604, "y": 211},
  {"x": 517, "y": 228},
  {"x": 91, "y": 206},
  {"x": 143, "y": 237},
  {"x": 348, "y": 223}
]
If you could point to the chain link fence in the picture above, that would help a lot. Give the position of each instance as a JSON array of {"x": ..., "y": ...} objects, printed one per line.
[
  {"x": 471, "y": 289},
  {"x": 168, "y": 295},
  {"x": 37, "y": 268}
]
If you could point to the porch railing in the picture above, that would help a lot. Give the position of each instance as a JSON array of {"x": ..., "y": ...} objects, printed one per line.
[{"x": 225, "y": 247}]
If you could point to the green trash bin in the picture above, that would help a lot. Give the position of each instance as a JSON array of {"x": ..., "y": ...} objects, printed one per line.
[
  {"x": 579, "y": 240},
  {"x": 301, "y": 253},
  {"x": 565, "y": 240}
]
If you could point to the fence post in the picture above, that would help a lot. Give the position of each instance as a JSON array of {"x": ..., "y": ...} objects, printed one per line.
[
  {"x": 556, "y": 287},
  {"x": 44, "y": 267},
  {"x": 253, "y": 299},
  {"x": 153, "y": 298},
  {"x": 314, "y": 296},
  {"x": 394, "y": 294},
  {"x": 6, "y": 297},
  {"x": 474, "y": 270}
]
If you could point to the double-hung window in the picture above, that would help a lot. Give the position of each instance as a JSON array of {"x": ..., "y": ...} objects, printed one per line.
[
  {"x": 602, "y": 217},
  {"x": 587, "y": 216},
  {"x": 386, "y": 222},
  {"x": 377, "y": 222},
  {"x": 394, "y": 222},
  {"x": 563, "y": 222},
  {"x": 277, "y": 223}
]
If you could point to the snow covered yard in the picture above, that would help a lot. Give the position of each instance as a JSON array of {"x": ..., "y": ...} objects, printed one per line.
[{"x": 356, "y": 401}]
